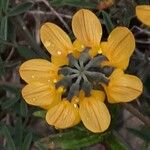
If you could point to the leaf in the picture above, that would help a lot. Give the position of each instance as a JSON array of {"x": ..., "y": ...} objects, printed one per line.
[
  {"x": 144, "y": 2},
  {"x": 9, "y": 102},
  {"x": 3, "y": 28},
  {"x": 75, "y": 3},
  {"x": 26, "y": 52},
  {"x": 18, "y": 134},
  {"x": 41, "y": 146},
  {"x": 144, "y": 133},
  {"x": 40, "y": 113},
  {"x": 116, "y": 144},
  {"x": 108, "y": 23},
  {"x": 123, "y": 12},
  {"x": 27, "y": 142},
  {"x": 19, "y": 9},
  {"x": 2, "y": 69},
  {"x": 23, "y": 108},
  {"x": 6, "y": 134},
  {"x": 74, "y": 138},
  {"x": 4, "y": 5}
]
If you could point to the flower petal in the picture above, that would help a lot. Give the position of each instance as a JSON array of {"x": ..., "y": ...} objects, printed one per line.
[
  {"x": 143, "y": 14},
  {"x": 123, "y": 87},
  {"x": 87, "y": 28},
  {"x": 94, "y": 114},
  {"x": 56, "y": 41},
  {"x": 38, "y": 70},
  {"x": 39, "y": 94},
  {"x": 59, "y": 60},
  {"x": 99, "y": 95},
  {"x": 62, "y": 115},
  {"x": 119, "y": 47}
]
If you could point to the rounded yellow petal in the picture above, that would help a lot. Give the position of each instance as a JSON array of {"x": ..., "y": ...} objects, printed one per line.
[
  {"x": 63, "y": 115},
  {"x": 59, "y": 60},
  {"x": 99, "y": 95},
  {"x": 56, "y": 41},
  {"x": 123, "y": 87},
  {"x": 38, "y": 70},
  {"x": 95, "y": 50},
  {"x": 143, "y": 14},
  {"x": 119, "y": 47},
  {"x": 78, "y": 46},
  {"x": 94, "y": 114},
  {"x": 87, "y": 28},
  {"x": 42, "y": 95}
]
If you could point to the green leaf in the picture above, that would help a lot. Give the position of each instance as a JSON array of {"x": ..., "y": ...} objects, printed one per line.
[
  {"x": 3, "y": 148},
  {"x": 3, "y": 28},
  {"x": 9, "y": 102},
  {"x": 75, "y": 3},
  {"x": 144, "y": 133},
  {"x": 116, "y": 144},
  {"x": 27, "y": 142},
  {"x": 26, "y": 52},
  {"x": 23, "y": 108},
  {"x": 6, "y": 134},
  {"x": 40, "y": 113},
  {"x": 74, "y": 138},
  {"x": 122, "y": 13},
  {"x": 108, "y": 23},
  {"x": 4, "y": 5},
  {"x": 19, "y": 9},
  {"x": 2, "y": 69},
  {"x": 143, "y": 2},
  {"x": 18, "y": 134},
  {"x": 41, "y": 146}
]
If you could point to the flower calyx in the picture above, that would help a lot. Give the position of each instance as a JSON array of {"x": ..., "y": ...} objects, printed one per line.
[{"x": 83, "y": 73}]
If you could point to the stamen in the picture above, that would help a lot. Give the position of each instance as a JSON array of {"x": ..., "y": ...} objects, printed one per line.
[
  {"x": 98, "y": 77},
  {"x": 84, "y": 57},
  {"x": 74, "y": 89},
  {"x": 67, "y": 70},
  {"x": 95, "y": 62},
  {"x": 86, "y": 86},
  {"x": 66, "y": 81},
  {"x": 73, "y": 61},
  {"x": 85, "y": 74}
]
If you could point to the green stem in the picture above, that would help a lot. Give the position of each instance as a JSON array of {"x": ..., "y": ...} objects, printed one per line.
[{"x": 26, "y": 32}]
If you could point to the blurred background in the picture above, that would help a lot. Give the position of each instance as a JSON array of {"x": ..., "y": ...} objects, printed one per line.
[{"x": 23, "y": 127}]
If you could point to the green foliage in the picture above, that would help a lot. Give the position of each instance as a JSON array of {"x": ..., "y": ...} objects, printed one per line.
[
  {"x": 107, "y": 21},
  {"x": 19, "y": 9},
  {"x": 75, "y": 138},
  {"x": 18, "y": 28},
  {"x": 75, "y": 3},
  {"x": 116, "y": 144},
  {"x": 26, "y": 52},
  {"x": 5, "y": 132},
  {"x": 40, "y": 113},
  {"x": 142, "y": 2},
  {"x": 143, "y": 133}
]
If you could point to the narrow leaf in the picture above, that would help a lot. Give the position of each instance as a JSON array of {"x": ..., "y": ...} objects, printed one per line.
[
  {"x": 23, "y": 7},
  {"x": 107, "y": 21},
  {"x": 27, "y": 142},
  {"x": 6, "y": 133},
  {"x": 26, "y": 52},
  {"x": 3, "y": 28},
  {"x": 40, "y": 113},
  {"x": 23, "y": 108}
]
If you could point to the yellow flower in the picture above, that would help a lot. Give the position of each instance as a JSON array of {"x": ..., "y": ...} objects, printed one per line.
[
  {"x": 143, "y": 14},
  {"x": 71, "y": 86}
]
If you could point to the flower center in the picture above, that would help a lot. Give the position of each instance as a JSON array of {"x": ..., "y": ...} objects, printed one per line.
[{"x": 83, "y": 73}]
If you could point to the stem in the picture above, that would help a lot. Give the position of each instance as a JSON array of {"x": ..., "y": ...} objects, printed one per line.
[
  {"x": 36, "y": 47},
  {"x": 136, "y": 113}
]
